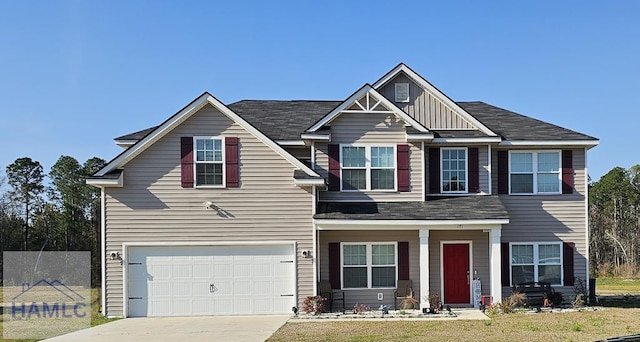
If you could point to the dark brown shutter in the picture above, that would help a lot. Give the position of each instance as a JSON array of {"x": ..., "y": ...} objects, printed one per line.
[
  {"x": 403, "y": 260},
  {"x": 474, "y": 172},
  {"x": 334, "y": 167},
  {"x": 186, "y": 162},
  {"x": 334, "y": 264},
  {"x": 403, "y": 167},
  {"x": 503, "y": 172},
  {"x": 567, "y": 171},
  {"x": 506, "y": 271},
  {"x": 567, "y": 263},
  {"x": 434, "y": 170},
  {"x": 232, "y": 164}
]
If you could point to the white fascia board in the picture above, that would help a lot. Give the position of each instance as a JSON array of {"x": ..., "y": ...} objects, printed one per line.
[
  {"x": 125, "y": 143},
  {"x": 467, "y": 140},
  {"x": 290, "y": 142},
  {"x": 320, "y": 137},
  {"x": 309, "y": 182},
  {"x": 587, "y": 143},
  {"x": 440, "y": 95},
  {"x": 419, "y": 136},
  {"x": 329, "y": 224},
  {"x": 186, "y": 113},
  {"x": 360, "y": 93},
  {"x": 107, "y": 182}
]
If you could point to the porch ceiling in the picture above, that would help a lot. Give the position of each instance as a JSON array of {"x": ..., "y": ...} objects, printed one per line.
[{"x": 438, "y": 208}]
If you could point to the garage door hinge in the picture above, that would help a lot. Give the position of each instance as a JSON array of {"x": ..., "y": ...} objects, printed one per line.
[
  {"x": 135, "y": 297},
  {"x": 286, "y": 261}
]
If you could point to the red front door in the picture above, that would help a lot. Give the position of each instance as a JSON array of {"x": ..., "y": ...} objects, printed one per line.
[{"x": 455, "y": 261}]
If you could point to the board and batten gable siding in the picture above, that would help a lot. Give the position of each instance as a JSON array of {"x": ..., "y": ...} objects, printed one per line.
[
  {"x": 483, "y": 167},
  {"x": 153, "y": 207},
  {"x": 480, "y": 256},
  {"x": 370, "y": 296},
  {"x": 536, "y": 218},
  {"x": 424, "y": 106},
  {"x": 371, "y": 128}
]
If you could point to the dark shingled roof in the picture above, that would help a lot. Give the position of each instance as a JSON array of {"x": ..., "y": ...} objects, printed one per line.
[
  {"x": 514, "y": 126},
  {"x": 136, "y": 135},
  {"x": 115, "y": 174},
  {"x": 282, "y": 120},
  {"x": 434, "y": 208},
  {"x": 459, "y": 134},
  {"x": 286, "y": 120}
]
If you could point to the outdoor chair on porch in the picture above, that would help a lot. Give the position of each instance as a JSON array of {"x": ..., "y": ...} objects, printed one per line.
[
  {"x": 403, "y": 291},
  {"x": 325, "y": 291}
]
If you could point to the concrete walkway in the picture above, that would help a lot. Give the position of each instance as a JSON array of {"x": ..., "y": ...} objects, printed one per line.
[{"x": 210, "y": 328}]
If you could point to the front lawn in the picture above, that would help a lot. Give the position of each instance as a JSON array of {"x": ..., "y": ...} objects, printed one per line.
[
  {"x": 545, "y": 326},
  {"x": 617, "y": 286}
]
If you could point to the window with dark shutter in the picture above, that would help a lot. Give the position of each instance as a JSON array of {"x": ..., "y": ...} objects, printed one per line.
[
  {"x": 506, "y": 266},
  {"x": 186, "y": 162},
  {"x": 334, "y": 265},
  {"x": 567, "y": 263},
  {"x": 434, "y": 170},
  {"x": 474, "y": 172},
  {"x": 232, "y": 162},
  {"x": 403, "y": 167},
  {"x": 334, "y": 167},
  {"x": 567, "y": 171},
  {"x": 403, "y": 261},
  {"x": 503, "y": 172}
]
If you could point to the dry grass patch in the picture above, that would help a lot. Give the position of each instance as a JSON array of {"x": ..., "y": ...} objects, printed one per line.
[{"x": 566, "y": 326}]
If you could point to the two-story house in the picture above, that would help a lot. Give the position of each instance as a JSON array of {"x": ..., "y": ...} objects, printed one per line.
[{"x": 244, "y": 208}]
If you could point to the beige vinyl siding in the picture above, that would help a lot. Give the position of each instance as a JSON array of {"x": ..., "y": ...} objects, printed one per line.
[
  {"x": 539, "y": 218},
  {"x": 370, "y": 128},
  {"x": 424, "y": 106},
  {"x": 480, "y": 256},
  {"x": 152, "y": 206},
  {"x": 370, "y": 296}
]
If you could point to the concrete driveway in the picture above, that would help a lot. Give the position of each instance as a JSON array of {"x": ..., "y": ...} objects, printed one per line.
[{"x": 210, "y": 328}]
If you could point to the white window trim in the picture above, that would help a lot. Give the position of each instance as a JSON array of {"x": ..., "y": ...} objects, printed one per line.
[
  {"x": 466, "y": 170},
  {"x": 195, "y": 162},
  {"x": 535, "y": 172},
  {"x": 536, "y": 259},
  {"x": 404, "y": 85},
  {"x": 369, "y": 264},
  {"x": 368, "y": 167}
]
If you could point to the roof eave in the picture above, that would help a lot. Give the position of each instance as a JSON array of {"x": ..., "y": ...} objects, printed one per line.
[
  {"x": 488, "y": 140},
  {"x": 583, "y": 143}
]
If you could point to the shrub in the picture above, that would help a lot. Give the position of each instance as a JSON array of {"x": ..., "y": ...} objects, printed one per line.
[
  {"x": 360, "y": 309},
  {"x": 508, "y": 304},
  {"x": 314, "y": 305},
  {"x": 409, "y": 303}
]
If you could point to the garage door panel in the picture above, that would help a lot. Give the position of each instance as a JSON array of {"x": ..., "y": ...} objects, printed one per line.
[{"x": 211, "y": 280}]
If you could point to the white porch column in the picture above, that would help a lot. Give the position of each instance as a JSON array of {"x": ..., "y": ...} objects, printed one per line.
[
  {"x": 424, "y": 268},
  {"x": 496, "y": 268}
]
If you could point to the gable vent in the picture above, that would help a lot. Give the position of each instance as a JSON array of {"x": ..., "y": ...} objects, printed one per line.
[{"x": 402, "y": 92}]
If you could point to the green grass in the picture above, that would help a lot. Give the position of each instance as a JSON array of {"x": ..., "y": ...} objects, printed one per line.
[
  {"x": 545, "y": 326},
  {"x": 617, "y": 286}
]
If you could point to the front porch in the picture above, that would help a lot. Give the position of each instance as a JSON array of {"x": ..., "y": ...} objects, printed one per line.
[{"x": 365, "y": 258}]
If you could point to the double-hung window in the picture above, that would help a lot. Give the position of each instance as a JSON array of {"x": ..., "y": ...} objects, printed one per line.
[
  {"x": 368, "y": 168},
  {"x": 536, "y": 262},
  {"x": 454, "y": 170},
  {"x": 535, "y": 172},
  {"x": 209, "y": 161},
  {"x": 369, "y": 265}
]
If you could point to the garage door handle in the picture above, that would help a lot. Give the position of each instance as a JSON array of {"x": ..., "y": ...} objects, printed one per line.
[
  {"x": 135, "y": 297},
  {"x": 286, "y": 295},
  {"x": 135, "y": 263},
  {"x": 286, "y": 261}
]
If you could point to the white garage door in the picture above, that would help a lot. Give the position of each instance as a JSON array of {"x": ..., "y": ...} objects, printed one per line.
[{"x": 210, "y": 280}]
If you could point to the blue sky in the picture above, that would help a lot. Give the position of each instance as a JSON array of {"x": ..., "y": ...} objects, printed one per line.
[{"x": 76, "y": 74}]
